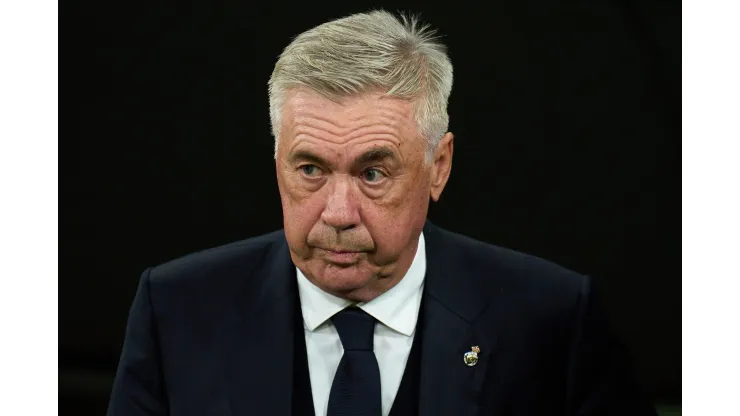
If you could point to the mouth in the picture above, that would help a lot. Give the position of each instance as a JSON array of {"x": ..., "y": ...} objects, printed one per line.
[{"x": 342, "y": 256}]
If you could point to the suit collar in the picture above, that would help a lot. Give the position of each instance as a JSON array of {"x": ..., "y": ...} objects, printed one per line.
[
  {"x": 259, "y": 348},
  {"x": 456, "y": 303},
  {"x": 449, "y": 278}
]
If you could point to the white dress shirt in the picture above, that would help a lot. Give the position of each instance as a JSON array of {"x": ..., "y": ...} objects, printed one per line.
[{"x": 396, "y": 310}]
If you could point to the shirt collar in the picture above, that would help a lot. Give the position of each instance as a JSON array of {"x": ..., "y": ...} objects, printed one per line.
[{"x": 397, "y": 308}]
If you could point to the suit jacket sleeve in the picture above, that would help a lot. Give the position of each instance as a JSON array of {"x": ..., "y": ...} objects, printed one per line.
[
  {"x": 599, "y": 376},
  {"x": 138, "y": 388}
]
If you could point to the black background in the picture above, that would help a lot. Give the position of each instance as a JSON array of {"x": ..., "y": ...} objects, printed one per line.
[{"x": 567, "y": 142}]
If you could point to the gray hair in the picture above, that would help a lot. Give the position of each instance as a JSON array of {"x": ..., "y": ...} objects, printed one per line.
[{"x": 368, "y": 52}]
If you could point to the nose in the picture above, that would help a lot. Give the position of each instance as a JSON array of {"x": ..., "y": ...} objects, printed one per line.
[{"x": 340, "y": 211}]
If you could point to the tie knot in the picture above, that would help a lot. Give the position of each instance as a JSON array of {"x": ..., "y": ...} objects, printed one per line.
[{"x": 355, "y": 328}]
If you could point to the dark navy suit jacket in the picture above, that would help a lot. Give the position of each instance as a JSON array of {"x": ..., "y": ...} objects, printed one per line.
[{"x": 212, "y": 334}]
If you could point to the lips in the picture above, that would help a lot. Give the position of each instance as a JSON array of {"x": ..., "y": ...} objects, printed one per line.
[
  {"x": 338, "y": 250},
  {"x": 342, "y": 256}
]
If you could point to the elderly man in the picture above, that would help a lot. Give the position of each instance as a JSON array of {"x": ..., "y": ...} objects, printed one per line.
[{"x": 360, "y": 306}]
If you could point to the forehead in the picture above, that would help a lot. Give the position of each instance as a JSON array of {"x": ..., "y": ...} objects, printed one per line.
[{"x": 313, "y": 118}]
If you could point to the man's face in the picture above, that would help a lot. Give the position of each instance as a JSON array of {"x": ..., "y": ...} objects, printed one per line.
[{"x": 355, "y": 189}]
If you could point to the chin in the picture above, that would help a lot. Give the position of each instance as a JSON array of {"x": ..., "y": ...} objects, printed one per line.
[{"x": 342, "y": 280}]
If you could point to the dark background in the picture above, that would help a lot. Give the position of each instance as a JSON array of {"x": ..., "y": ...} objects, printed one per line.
[{"x": 567, "y": 126}]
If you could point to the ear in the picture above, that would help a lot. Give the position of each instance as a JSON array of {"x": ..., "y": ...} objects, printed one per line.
[{"x": 441, "y": 166}]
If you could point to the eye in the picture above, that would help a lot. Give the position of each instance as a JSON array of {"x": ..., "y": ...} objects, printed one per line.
[
  {"x": 373, "y": 175},
  {"x": 310, "y": 170}
]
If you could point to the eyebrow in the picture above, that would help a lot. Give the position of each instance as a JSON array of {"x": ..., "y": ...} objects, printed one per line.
[
  {"x": 377, "y": 154},
  {"x": 306, "y": 156}
]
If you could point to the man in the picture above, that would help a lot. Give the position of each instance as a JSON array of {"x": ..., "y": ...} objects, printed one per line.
[{"x": 360, "y": 306}]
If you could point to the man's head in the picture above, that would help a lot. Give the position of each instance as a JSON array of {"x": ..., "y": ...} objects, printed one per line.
[{"x": 359, "y": 114}]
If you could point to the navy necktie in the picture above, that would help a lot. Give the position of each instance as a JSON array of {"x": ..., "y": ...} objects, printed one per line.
[{"x": 356, "y": 387}]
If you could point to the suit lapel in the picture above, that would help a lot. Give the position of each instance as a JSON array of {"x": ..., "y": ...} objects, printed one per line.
[
  {"x": 259, "y": 351},
  {"x": 455, "y": 302}
]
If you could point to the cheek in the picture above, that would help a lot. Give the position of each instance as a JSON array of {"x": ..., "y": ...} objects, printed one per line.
[
  {"x": 301, "y": 211},
  {"x": 394, "y": 220}
]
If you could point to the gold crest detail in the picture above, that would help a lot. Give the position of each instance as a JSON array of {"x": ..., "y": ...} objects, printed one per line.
[{"x": 471, "y": 357}]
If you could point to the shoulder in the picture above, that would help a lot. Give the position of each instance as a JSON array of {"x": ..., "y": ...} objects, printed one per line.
[
  {"x": 219, "y": 268},
  {"x": 523, "y": 278},
  {"x": 514, "y": 267}
]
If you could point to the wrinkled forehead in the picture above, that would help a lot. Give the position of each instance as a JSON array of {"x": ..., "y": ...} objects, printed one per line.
[{"x": 307, "y": 115}]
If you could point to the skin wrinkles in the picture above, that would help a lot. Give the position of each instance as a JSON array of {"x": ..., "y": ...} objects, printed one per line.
[
  {"x": 312, "y": 114},
  {"x": 304, "y": 122},
  {"x": 355, "y": 190},
  {"x": 305, "y": 133}
]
